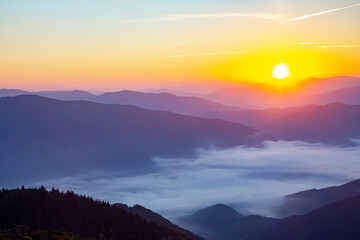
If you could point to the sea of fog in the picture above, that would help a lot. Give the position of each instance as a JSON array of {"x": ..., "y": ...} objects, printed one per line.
[{"x": 251, "y": 179}]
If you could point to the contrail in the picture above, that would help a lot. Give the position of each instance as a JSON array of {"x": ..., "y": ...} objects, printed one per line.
[
  {"x": 204, "y": 54},
  {"x": 320, "y": 13}
]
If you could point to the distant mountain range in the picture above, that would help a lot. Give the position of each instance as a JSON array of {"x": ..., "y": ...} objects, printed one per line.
[
  {"x": 313, "y": 91},
  {"x": 329, "y": 213},
  {"x": 43, "y": 137},
  {"x": 321, "y": 91},
  {"x": 334, "y": 124},
  {"x": 187, "y": 105},
  {"x": 345, "y": 95},
  {"x": 38, "y": 209},
  {"x": 306, "y": 201}
]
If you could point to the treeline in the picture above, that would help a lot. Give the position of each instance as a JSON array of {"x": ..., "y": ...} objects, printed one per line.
[{"x": 39, "y": 209}]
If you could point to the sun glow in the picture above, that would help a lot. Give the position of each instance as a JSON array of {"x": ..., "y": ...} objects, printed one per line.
[{"x": 281, "y": 71}]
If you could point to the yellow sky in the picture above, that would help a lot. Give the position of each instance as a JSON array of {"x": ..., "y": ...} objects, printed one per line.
[{"x": 45, "y": 51}]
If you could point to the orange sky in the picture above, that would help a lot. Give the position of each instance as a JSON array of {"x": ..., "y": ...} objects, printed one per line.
[{"x": 112, "y": 45}]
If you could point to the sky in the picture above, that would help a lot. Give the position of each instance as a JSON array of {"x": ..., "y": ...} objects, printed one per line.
[{"x": 110, "y": 45}]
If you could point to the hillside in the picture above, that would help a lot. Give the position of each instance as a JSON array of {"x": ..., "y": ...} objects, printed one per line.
[
  {"x": 151, "y": 216},
  {"x": 220, "y": 222},
  {"x": 339, "y": 220},
  {"x": 306, "y": 201},
  {"x": 38, "y": 209},
  {"x": 59, "y": 138},
  {"x": 187, "y": 105},
  {"x": 333, "y": 124}
]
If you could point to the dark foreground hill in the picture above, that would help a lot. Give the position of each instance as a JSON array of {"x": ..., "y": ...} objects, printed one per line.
[
  {"x": 38, "y": 209},
  {"x": 339, "y": 220},
  {"x": 306, "y": 201},
  {"x": 151, "y": 216},
  {"x": 220, "y": 222},
  {"x": 43, "y": 137},
  {"x": 40, "y": 235}
]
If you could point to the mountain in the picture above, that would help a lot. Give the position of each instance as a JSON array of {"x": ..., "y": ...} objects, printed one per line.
[
  {"x": 344, "y": 95},
  {"x": 257, "y": 118},
  {"x": 333, "y": 124},
  {"x": 60, "y": 95},
  {"x": 43, "y": 137},
  {"x": 220, "y": 222},
  {"x": 40, "y": 235},
  {"x": 339, "y": 220},
  {"x": 256, "y": 96},
  {"x": 151, "y": 216},
  {"x": 67, "y": 95},
  {"x": 186, "y": 105},
  {"x": 11, "y": 92},
  {"x": 166, "y": 102},
  {"x": 38, "y": 209},
  {"x": 306, "y": 201},
  {"x": 314, "y": 86}
]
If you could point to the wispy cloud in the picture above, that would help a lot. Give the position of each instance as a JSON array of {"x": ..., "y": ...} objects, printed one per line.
[
  {"x": 340, "y": 46},
  {"x": 184, "y": 17},
  {"x": 320, "y": 13},
  {"x": 268, "y": 16},
  {"x": 327, "y": 44},
  {"x": 204, "y": 54},
  {"x": 311, "y": 43}
]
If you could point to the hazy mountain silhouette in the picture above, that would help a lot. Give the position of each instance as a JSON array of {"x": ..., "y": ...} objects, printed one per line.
[
  {"x": 43, "y": 137},
  {"x": 12, "y": 92},
  {"x": 187, "y": 105},
  {"x": 344, "y": 95},
  {"x": 220, "y": 222},
  {"x": 41, "y": 210},
  {"x": 151, "y": 216},
  {"x": 257, "y": 97},
  {"x": 60, "y": 95},
  {"x": 334, "y": 123},
  {"x": 165, "y": 101},
  {"x": 322, "y": 85},
  {"x": 257, "y": 118},
  {"x": 339, "y": 220},
  {"x": 67, "y": 95},
  {"x": 306, "y": 201}
]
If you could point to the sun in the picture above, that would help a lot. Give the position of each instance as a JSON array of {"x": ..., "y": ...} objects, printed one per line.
[{"x": 281, "y": 71}]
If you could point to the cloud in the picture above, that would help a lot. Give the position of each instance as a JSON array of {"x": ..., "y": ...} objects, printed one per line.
[
  {"x": 184, "y": 17},
  {"x": 326, "y": 44},
  {"x": 311, "y": 43},
  {"x": 320, "y": 13},
  {"x": 251, "y": 179},
  {"x": 340, "y": 46},
  {"x": 267, "y": 16},
  {"x": 204, "y": 54}
]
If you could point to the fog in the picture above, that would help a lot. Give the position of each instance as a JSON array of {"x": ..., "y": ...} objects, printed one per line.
[{"x": 250, "y": 179}]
